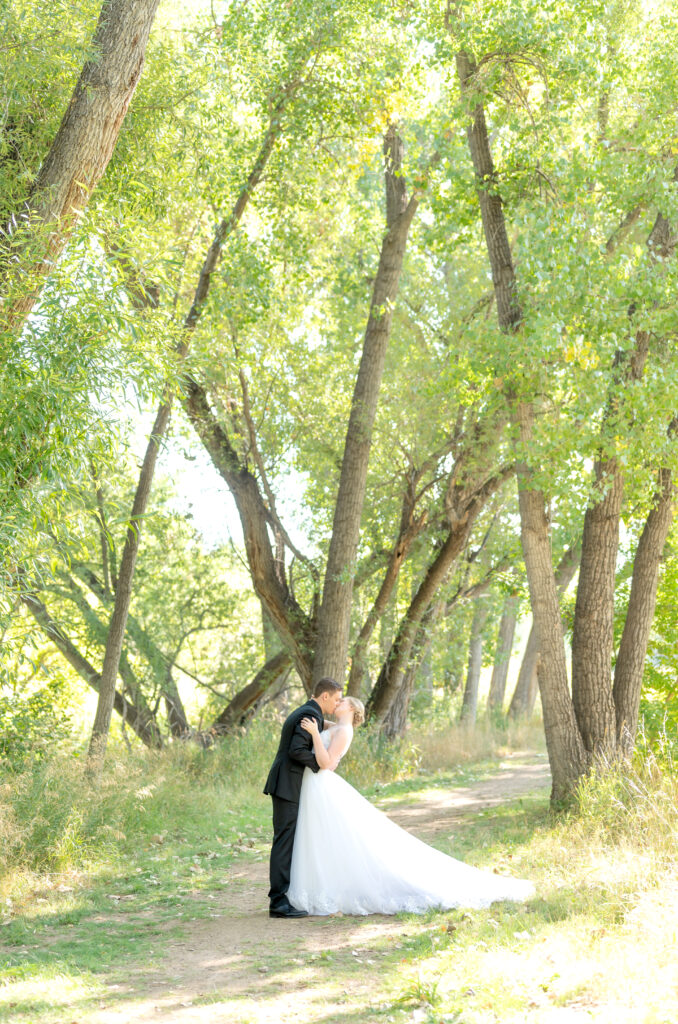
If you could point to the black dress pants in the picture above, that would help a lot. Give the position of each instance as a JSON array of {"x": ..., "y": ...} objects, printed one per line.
[{"x": 284, "y": 826}]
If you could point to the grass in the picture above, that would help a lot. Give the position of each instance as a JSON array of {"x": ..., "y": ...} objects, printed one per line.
[{"x": 98, "y": 886}]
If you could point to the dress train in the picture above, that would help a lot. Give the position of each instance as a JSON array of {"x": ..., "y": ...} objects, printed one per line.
[{"x": 350, "y": 858}]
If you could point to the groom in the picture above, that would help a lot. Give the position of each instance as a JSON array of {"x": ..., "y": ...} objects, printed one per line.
[{"x": 284, "y": 784}]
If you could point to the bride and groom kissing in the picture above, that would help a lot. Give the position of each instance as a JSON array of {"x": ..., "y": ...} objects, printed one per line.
[{"x": 334, "y": 852}]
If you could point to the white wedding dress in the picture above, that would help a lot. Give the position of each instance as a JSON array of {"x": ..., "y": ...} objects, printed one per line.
[{"x": 350, "y": 858}]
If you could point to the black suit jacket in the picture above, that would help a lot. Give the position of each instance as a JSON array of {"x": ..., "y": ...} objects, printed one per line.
[{"x": 294, "y": 754}]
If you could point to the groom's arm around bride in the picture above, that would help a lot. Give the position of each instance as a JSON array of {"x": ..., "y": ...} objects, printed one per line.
[{"x": 283, "y": 784}]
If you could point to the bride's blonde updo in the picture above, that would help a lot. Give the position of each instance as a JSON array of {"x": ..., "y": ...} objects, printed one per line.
[{"x": 358, "y": 710}]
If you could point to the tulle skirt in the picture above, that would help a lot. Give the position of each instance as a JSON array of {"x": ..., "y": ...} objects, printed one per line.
[{"x": 350, "y": 858}]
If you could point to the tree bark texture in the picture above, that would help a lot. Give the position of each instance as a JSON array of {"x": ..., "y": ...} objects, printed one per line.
[
  {"x": 334, "y": 617},
  {"x": 527, "y": 686},
  {"x": 567, "y": 756},
  {"x": 502, "y": 657},
  {"x": 123, "y": 592},
  {"x": 491, "y": 205},
  {"x": 79, "y": 154},
  {"x": 628, "y": 674},
  {"x": 469, "y": 705},
  {"x": 593, "y": 632}
]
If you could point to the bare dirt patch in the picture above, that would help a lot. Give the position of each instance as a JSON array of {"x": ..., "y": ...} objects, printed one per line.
[{"x": 241, "y": 967}]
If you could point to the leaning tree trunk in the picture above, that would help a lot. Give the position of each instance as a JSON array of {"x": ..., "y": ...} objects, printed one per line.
[
  {"x": 161, "y": 665},
  {"x": 237, "y": 709},
  {"x": 334, "y": 616},
  {"x": 395, "y": 663},
  {"x": 469, "y": 705},
  {"x": 123, "y": 592},
  {"x": 139, "y": 718},
  {"x": 628, "y": 675},
  {"x": 78, "y": 156},
  {"x": 393, "y": 670},
  {"x": 290, "y": 621},
  {"x": 502, "y": 657},
  {"x": 409, "y": 530},
  {"x": 394, "y": 722}
]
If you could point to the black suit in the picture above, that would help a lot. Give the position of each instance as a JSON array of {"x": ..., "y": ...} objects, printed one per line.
[{"x": 284, "y": 784}]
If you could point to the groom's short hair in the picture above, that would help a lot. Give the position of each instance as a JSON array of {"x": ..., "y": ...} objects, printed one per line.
[{"x": 326, "y": 685}]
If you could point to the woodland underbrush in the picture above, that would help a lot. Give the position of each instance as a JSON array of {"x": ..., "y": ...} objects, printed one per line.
[
  {"x": 449, "y": 745},
  {"x": 53, "y": 820},
  {"x": 169, "y": 832}
]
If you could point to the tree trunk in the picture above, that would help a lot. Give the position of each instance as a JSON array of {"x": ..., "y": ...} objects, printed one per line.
[
  {"x": 469, "y": 706},
  {"x": 395, "y": 664},
  {"x": 628, "y": 675},
  {"x": 161, "y": 665},
  {"x": 235, "y": 711},
  {"x": 564, "y": 744},
  {"x": 335, "y": 611},
  {"x": 395, "y": 721},
  {"x": 567, "y": 756},
  {"x": 393, "y": 669},
  {"x": 141, "y": 720},
  {"x": 527, "y": 687},
  {"x": 279, "y": 695},
  {"x": 79, "y": 154},
  {"x": 123, "y": 592},
  {"x": 290, "y": 621},
  {"x": 502, "y": 657},
  {"x": 410, "y": 529},
  {"x": 593, "y": 632},
  {"x": 491, "y": 205}
]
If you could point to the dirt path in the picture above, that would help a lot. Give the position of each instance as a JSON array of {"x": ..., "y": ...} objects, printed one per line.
[{"x": 241, "y": 967}]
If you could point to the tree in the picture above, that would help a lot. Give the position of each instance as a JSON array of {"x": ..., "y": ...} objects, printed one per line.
[
  {"x": 502, "y": 657},
  {"x": 77, "y": 157},
  {"x": 580, "y": 730}
]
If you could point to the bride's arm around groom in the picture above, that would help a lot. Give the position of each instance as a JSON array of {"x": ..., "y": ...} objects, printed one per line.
[{"x": 283, "y": 784}]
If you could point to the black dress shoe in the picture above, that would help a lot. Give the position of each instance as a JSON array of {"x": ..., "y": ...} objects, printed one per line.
[{"x": 287, "y": 911}]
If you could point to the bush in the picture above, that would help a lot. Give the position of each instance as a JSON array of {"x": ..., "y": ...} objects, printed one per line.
[{"x": 32, "y": 724}]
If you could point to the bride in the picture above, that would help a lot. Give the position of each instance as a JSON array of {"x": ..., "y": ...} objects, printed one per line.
[{"x": 350, "y": 858}]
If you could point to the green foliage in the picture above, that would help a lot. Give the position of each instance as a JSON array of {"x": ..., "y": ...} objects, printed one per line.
[
  {"x": 581, "y": 116},
  {"x": 374, "y": 760},
  {"x": 34, "y": 724},
  {"x": 659, "y": 704}
]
